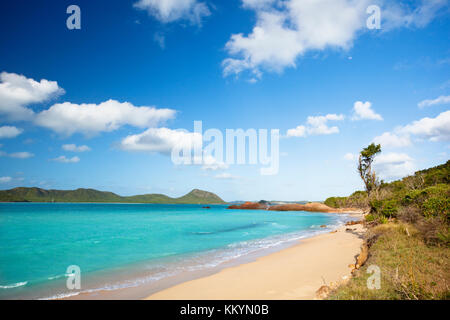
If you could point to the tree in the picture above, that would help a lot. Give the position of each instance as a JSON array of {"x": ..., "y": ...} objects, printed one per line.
[{"x": 365, "y": 161}]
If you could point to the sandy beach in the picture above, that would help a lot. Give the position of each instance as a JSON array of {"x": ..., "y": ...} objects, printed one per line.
[{"x": 296, "y": 272}]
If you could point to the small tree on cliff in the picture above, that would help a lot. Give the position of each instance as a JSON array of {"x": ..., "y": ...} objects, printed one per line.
[{"x": 366, "y": 158}]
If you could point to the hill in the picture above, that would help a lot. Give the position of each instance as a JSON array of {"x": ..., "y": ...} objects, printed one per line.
[{"x": 23, "y": 194}]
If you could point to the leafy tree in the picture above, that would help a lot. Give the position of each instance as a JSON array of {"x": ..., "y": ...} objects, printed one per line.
[{"x": 366, "y": 173}]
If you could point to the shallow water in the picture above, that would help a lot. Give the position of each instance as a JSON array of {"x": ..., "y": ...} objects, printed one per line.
[{"x": 124, "y": 245}]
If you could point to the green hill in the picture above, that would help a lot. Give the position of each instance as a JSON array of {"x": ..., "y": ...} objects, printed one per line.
[{"x": 90, "y": 195}]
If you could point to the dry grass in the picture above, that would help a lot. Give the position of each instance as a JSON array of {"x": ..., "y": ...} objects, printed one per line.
[{"x": 410, "y": 269}]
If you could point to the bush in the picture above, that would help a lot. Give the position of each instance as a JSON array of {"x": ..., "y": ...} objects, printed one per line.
[
  {"x": 436, "y": 207},
  {"x": 409, "y": 214},
  {"x": 433, "y": 231},
  {"x": 370, "y": 217},
  {"x": 389, "y": 208}
]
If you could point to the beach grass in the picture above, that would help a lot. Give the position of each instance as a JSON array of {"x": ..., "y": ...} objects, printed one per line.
[{"x": 410, "y": 269}]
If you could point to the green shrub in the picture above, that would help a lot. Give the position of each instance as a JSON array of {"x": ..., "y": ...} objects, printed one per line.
[
  {"x": 436, "y": 207},
  {"x": 370, "y": 217},
  {"x": 389, "y": 208}
]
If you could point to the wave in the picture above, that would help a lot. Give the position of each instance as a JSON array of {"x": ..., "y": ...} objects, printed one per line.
[
  {"x": 14, "y": 285},
  {"x": 212, "y": 258}
]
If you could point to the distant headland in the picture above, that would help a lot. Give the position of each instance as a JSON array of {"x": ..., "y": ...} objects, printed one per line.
[{"x": 34, "y": 194}]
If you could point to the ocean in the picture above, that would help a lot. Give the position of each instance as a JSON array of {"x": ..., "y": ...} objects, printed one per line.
[{"x": 120, "y": 246}]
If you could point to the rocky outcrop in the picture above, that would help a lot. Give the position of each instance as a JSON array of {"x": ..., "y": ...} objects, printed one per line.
[
  {"x": 249, "y": 206},
  {"x": 312, "y": 207}
]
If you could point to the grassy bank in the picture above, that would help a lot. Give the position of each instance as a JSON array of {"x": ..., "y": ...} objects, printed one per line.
[
  {"x": 408, "y": 237},
  {"x": 410, "y": 268}
]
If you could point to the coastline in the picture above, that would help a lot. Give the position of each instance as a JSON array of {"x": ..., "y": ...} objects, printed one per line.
[
  {"x": 293, "y": 273},
  {"x": 154, "y": 289}
]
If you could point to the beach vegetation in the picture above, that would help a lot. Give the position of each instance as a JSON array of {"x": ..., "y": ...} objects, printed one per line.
[
  {"x": 410, "y": 268},
  {"x": 366, "y": 158}
]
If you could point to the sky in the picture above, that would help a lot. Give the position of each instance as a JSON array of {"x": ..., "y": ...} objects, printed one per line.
[{"x": 101, "y": 106}]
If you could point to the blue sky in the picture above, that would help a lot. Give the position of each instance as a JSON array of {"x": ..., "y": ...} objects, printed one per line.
[{"x": 259, "y": 64}]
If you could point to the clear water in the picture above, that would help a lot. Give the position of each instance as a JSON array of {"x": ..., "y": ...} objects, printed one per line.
[{"x": 120, "y": 245}]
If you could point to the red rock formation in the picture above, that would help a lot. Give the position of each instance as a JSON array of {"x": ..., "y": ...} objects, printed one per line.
[
  {"x": 312, "y": 206},
  {"x": 249, "y": 206}
]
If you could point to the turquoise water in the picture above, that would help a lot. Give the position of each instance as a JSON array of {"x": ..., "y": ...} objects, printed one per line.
[{"x": 120, "y": 245}]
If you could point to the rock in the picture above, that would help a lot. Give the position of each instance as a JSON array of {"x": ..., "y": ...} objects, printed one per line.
[
  {"x": 249, "y": 206},
  {"x": 323, "y": 226},
  {"x": 362, "y": 258},
  {"x": 333, "y": 231},
  {"x": 351, "y": 223},
  {"x": 323, "y": 292}
]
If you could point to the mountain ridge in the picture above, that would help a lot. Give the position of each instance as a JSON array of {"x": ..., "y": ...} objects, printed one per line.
[{"x": 82, "y": 195}]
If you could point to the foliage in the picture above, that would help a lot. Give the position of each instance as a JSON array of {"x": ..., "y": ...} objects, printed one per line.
[
  {"x": 366, "y": 158},
  {"x": 410, "y": 269}
]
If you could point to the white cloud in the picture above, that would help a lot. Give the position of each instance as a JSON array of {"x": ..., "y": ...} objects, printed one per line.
[
  {"x": 392, "y": 140},
  {"x": 5, "y": 179},
  {"x": 21, "y": 155},
  {"x": 396, "y": 15},
  {"x": 394, "y": 165},
  {"x": 75, "y": 148},
  {"x": 350, "y": 156},
  {"x": 161, "y": 140},
  {"x": 9, "y": 132},
  {"x": 171, "y": 10},
  {"x": 317, "y": 125},
  {"x": 64, "y": 159},
  {"x": 89, "y": 119},
  {"x": 226, "y": 176},
  {"x": 17, "y": 92},
  {"x": 434, "y": 129},
  {"x": 299, "y": 131},
  {"x": 211, "y": 163},
  {"x": 285, "y": 30},
  {"x": 432, "y": 102},
  {"x": 364, "y": 111}
]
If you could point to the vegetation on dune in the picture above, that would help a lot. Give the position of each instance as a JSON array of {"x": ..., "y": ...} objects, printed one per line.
[
  {"x": 410, "y": 268},
  {"x": 408, "y": 223},
  {"x": 90, "y": 195}
]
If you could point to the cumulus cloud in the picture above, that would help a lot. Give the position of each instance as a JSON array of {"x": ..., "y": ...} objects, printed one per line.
[
  {"x": 364, "y": 111},
  {"x": 64, "y": 159},
  {"x": 75, "y": 148},
  {"x": 392, "y": 140},
  {"x": 9, "y": 132},
  {"x": 164, "y": 140},
  {"x": 18, "y": 92},
  {"x": 394, "y": 165},
  {"x": 317, "y": 125},
  {"x": 5, "y": 179},
  {"x": 433, "y": 102},
  {"x": 431, "y": 129},
  {"x": 90, "y": 119},
  {"x": 161, "y": 140},
  {"x": 286, "y": 30},
  {"x": 171, "y": 10},
  {"x": 434, "y": 129}
]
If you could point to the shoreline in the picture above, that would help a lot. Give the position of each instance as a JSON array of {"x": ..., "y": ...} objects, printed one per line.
[
  {"x": 293, "y": 273},
  {"x": 144, "y": 290}
]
